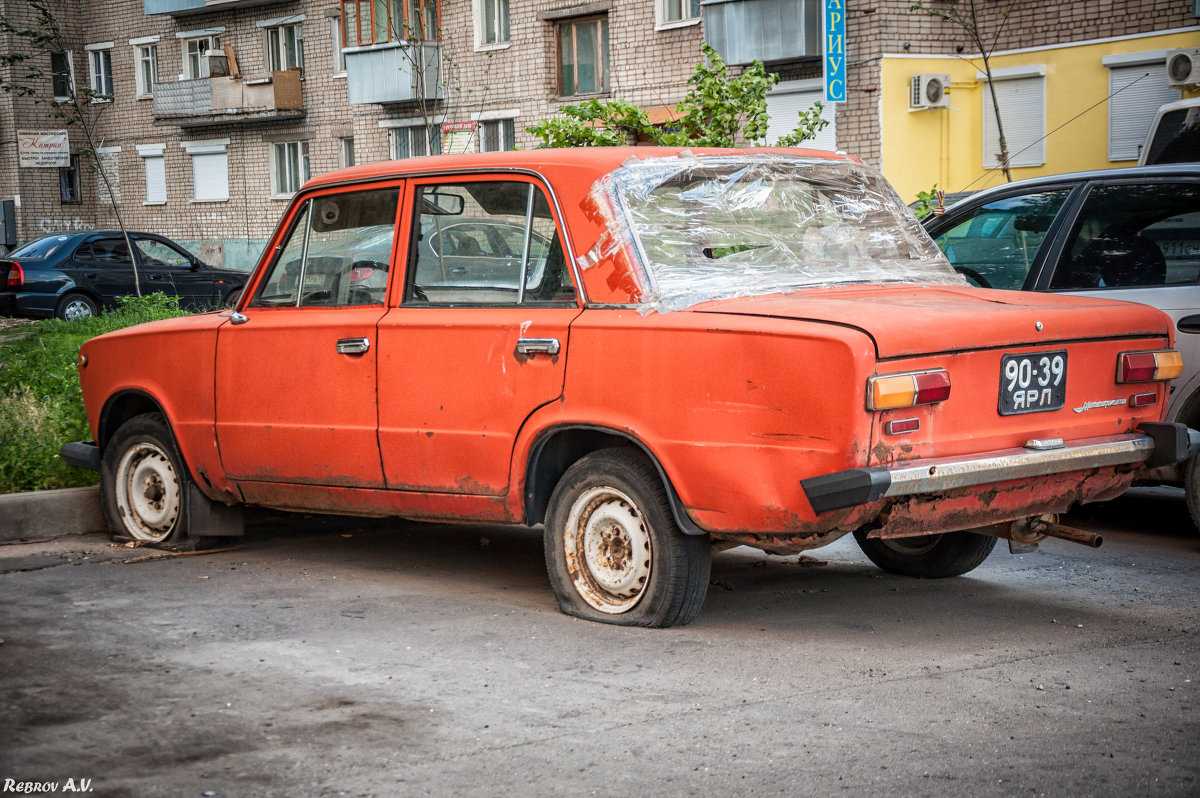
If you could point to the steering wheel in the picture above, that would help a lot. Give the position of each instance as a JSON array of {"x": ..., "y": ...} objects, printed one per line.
[{"x": 972, "y": 275}]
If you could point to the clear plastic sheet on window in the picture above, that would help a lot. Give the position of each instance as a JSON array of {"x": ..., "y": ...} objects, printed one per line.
[{"x": 715, "y": 227}]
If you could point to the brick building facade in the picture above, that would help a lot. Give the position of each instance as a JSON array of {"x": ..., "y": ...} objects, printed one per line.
[{"x": 209, "y": 150}]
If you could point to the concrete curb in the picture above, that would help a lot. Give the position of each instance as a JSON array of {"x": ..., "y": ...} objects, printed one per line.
[{"x": 50, "y": 513}]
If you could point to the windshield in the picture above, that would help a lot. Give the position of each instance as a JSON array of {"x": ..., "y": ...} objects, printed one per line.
[
  {"x": 41, "y": 248},
  {"x": 727, "y": 226}
]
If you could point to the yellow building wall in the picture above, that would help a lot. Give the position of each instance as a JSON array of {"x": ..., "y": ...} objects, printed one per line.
[{"x": 945, "y": 146}]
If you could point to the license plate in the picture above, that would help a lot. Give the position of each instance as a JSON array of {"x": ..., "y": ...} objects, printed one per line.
[{"x": 1033, "y": 383}]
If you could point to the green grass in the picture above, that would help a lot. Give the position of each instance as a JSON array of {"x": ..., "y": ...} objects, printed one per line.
[{"x": 41, "y": 406}]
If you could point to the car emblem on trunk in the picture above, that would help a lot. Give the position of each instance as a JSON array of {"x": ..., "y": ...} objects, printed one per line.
[{"x": 1094, "y": 405}]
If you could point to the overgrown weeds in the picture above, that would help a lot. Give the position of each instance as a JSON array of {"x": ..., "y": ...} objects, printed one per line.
[{"x": 41, "y": 406}]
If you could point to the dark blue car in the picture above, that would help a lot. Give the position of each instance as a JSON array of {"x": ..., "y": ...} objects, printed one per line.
[{"x": 73, "y": 276}]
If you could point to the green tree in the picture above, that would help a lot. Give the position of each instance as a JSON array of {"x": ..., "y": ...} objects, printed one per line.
[
  {"x": 718, "y": 111},
  {"x": 31, "y": 46}
]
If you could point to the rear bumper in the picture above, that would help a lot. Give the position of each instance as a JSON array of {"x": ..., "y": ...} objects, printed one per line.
[{"x": 1161, "y": 444}]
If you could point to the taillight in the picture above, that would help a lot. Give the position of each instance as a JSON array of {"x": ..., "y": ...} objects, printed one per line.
[
  {"x": 905, "y": 390},
  {"x": 16, "y": 275},
  {"x": 1155, "y": 366}
]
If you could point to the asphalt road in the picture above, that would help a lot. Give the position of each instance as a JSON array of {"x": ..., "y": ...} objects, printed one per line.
[{"x": 333, "y": 658}]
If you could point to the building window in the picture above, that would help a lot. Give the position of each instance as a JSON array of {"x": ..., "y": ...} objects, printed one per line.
[
  {"x": 1135, "y": 92},
  {"x": 156, "y": 174},
  {"x": 346, "y": 151},
  {"x": 62, "y": 76},
  {"x": 195, "y": 62},
  {"x": 583, "y": 56},
  {"x": 496, "y": 135},
  {"x": 289, "y": 167},
  {"x": 410, "y": 142},
  {"x": 1023, "y": 108},
  {"x": 493, "y": 21},
  {"x": 210, "y": 169},
  {"x": 285, "y": 48},
  {"x": 376, "y": 21},
  {"x": 100, "y": 66},
  {"x": 678, "y": 11},
  {"x": 68, "y": 183},
  {"x": 147, "y": 68},
  {"x": 339, "y": 58}
]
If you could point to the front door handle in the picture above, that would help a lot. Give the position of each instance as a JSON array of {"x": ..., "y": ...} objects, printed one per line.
[
  {"x": 353, "y": 346},
  {"x": 1189, "y": 324},
  {"x": 537, "y": 346}
]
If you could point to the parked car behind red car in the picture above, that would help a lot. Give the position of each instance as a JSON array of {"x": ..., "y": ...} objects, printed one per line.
[{"x": 694, "y": 350}]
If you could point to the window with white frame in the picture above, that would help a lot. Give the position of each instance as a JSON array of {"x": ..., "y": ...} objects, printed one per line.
[
  {"x": 496, "y": 135},
  {"x": 285, "y": 47},
  {"x": 410, "y": 142},
  {"x": 210, "y": 169},
  {"x": 195, "y": 52},
  {"x": 1021, "y": 94},
  {"x": 154, "y": 165},
  {"x": 1137, "y": 86},
  {"x": 335, "y": 35},
  {"x": 100, "y": 70},
  {"x": 62, "y": 75},
  {"x": 492, "y": 21},
  {"x": 289, "y": 167},
  {"x": 146, "y": 74},
  {"x": 674, "y": 13},
  {"x": 346, "y": 151}
]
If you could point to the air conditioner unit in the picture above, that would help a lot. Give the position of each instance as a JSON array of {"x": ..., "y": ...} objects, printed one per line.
[
  {"x": 930, "y": 91},
  {"x": 1183, "y": 68}
]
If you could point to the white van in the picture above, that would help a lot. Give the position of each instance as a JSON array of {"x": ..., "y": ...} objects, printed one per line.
[{"x": 1174, "y": 136}]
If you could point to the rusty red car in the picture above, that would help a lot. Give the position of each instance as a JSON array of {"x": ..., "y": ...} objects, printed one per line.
[{"x": 651, "y": 353}]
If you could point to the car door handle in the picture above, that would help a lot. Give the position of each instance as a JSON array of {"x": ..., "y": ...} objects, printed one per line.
[
  {"x": 353, "y": 346},
  {"x": 537, "y": 346},
  {"x": 1189, "y": 324},
  {"x": 156, "y": 277},
  {"x": 89, "y": 275}
]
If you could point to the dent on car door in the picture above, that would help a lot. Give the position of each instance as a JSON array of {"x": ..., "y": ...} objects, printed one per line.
[
  {"x": 996, "y": 245},
  {"x": 479, "y": 341},
  {"x": 296, "y": 380}
]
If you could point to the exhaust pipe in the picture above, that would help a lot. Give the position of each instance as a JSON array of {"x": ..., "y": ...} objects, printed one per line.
[{"x": 1032, "y": 530}]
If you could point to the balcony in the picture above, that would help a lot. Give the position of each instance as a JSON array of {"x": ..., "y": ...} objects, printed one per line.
[
  {"x": 228, "y": 100},
  {"x": 394, "y": 72},
  {"x": 187, "y": 8},
  {"x": 743, "y": 31}
]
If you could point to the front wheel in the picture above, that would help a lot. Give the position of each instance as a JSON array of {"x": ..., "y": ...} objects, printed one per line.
[
  {"x": 928, "y": 556},
  {"x": 143, "y": 483},
  {"x": 613, "y": 550}
]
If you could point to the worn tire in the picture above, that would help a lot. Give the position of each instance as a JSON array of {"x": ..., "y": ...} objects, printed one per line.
[
  {"x": 929, "y": 556},
  {"x": 143, "y": 483},
  {"x": 609, "y": 506},
  {"x": 76, "y": 306},
  {"x": 1191, "y": 488}
]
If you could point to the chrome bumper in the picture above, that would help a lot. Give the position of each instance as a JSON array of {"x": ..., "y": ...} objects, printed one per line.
[{"x": 1161, "y": 444}]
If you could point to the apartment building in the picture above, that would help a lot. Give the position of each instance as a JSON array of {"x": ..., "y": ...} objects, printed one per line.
[{"x": 218, "y": 110}]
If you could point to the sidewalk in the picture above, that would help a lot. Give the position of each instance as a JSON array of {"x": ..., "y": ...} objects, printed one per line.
[{"x": 43, "y": 514}]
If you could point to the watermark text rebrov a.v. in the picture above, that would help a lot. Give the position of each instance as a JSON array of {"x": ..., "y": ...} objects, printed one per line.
[{"x": 33, "y": 787}]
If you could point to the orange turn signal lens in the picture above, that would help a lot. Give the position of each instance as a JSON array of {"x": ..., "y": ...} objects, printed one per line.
[
  {"x": 1155, "y": 366},
  {"x": 905, "y": 390}
]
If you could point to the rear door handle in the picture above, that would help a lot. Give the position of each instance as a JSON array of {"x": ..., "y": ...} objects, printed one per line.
[
  {"x": 89, "y": 275},
  {"x": 1189, "y": 324},
  {"x": 353, "y": 346},
  {"x": 537, "y": 346}
]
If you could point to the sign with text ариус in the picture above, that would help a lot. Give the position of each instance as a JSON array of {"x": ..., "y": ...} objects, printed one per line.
[
  {"x": 43, "y": 148},
  {"x": 833, "y": 26}
]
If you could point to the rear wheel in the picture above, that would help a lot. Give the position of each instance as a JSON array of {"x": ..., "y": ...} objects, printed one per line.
[
  {"x": 1191, "y": 487},
  {"x": 143, "y": 484},
  {"x": 76, "y": 306},
  {"x": 928, "y": 556},
  {"x": 613, "y": 550}
]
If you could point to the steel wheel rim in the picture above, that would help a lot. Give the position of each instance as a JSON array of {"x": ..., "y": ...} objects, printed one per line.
[
  {"x": 148, "y": 493},
  {"x": 912, "y": 547},
  {"x": 77, "y": 309},
  {"x": 608, "y": 549}
]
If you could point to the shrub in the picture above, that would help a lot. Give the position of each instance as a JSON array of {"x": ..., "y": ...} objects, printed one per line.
[{"x": 42, "y": 406}]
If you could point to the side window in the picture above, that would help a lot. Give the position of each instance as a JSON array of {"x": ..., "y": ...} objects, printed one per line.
[
  {"x": 336, "y": 254},
  {"x": 104, "y": 252},
  {"x": 157, "y": 255},
  {"x": 486, "y": 243},
  {"x": 995, "y": 245},
  {"x": 1131, "y": 235}
]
